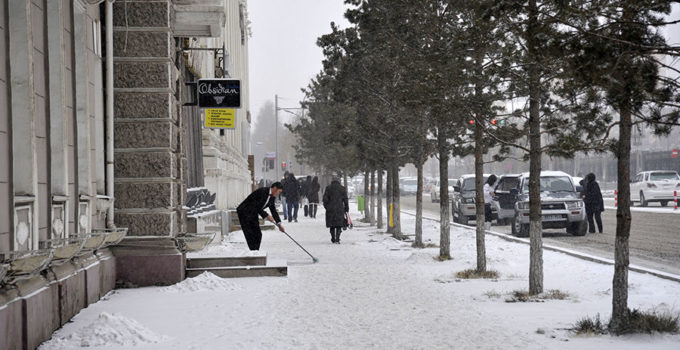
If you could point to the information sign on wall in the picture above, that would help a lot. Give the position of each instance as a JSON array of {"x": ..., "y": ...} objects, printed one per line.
[{"x": 222, "y": 118}]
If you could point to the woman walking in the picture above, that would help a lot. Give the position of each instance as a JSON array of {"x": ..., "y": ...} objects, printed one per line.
[
  {"x": 594, "y": 203},
  {"x": 336, "y": 205},
  {"x": 313, "y": 196}
]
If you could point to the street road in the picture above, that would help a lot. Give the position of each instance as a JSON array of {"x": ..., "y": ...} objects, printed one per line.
[{"x": 654, "y": 237}]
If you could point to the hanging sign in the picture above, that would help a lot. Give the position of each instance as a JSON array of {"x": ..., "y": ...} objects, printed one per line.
[
  {"x": 221, "y": 118},
  {"x": 219, "y": 93}
]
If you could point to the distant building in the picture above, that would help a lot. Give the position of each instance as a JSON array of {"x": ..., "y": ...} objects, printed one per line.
[{"x": 86, "y": 150}]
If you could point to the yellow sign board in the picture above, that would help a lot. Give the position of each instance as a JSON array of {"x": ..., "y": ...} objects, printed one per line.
[{"x": 223, "y": 118}]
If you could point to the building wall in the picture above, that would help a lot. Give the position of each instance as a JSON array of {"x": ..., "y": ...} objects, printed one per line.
[
  {"x": 6, "y": 215},
  {"x": 52, "y": 156}
]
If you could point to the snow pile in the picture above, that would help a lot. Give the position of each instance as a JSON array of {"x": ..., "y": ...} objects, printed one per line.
[
  {"x": 107, "y": 329},
  {"x": 222, "y": 250},
  {"x": 206, "y": 281}
]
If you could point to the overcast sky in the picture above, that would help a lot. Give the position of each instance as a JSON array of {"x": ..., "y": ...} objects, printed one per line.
[{"x": 283, "y": 53}]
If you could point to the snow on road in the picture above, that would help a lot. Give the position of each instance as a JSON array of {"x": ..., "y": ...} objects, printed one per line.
[{"x": 372, "y": 292}]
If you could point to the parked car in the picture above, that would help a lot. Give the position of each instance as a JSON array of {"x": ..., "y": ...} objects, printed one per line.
[
  {"x": 408, "y": 186},
  {"x": 434, "y": 190},
  {"x": 561, "y": 205},
  {"x": 505, "y": 196},
  {"x": 654, "y": 186},
  {"x": 463, "y": 208}
]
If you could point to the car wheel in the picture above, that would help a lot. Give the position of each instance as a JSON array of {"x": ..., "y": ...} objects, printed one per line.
[
  {"x": 643, "y": 200},
  {"x": 523, "y": 230},
  {"x": 463, "y": 219},
  {"x": 664, "y": 203},
  {"x": 578, "y": 228}
]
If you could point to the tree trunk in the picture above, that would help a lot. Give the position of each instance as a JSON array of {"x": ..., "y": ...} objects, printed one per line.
[
  {"x": 396, "y": 208},
  {"x": 367, "y": 213},
  {"x": 380, "y": 195},
  {"x": 479, "y": 172},
  {"x": 623, "y": 214},
  {"x": 479, "y": 196},
  {"x": 371, "y": 206},
  {"x": 388, "y": 199},
  {"x": 535, "y": 220},
  {"x": 419, "y": 207},
  {"x": 444, "y": 244}
]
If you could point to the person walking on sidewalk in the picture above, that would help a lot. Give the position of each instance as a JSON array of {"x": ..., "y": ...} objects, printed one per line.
[
  {"x": 313, "y": 196},
  {"x": 283, "y": 195},
  {"x": 488, "y": 199},
  {"x": 255, "y": 204},
  {"x": 336, "y": 205},
  {"x": 291, "y": 189},
  {"x": 594, "y": 203}
]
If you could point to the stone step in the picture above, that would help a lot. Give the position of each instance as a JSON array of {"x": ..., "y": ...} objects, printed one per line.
[
  {"x": 226, "y": 261},
  {"x": 241, "y": 271}
]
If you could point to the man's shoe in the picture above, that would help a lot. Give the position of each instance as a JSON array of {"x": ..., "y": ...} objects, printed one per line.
[{"x": 295, "y": 220}]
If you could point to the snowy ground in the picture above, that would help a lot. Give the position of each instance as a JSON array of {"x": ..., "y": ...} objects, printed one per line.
[{"x": 370, "y": 292}]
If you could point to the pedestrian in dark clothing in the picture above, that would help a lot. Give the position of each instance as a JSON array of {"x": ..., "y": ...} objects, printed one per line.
[
  {"x": 335, "y": 202},
  {"x": 313, "y": 196},
  {"x": 255, "y": 204},
  {"x": 283, "y": 196},
  {"x": 305, "y": 187},
  {"x": 291, "y": 189},
  {"x": 594, "y": 203}
]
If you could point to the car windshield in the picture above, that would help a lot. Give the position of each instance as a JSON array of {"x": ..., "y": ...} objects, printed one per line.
[
  {"x": 469, "y": 184},
  {"x": 671, "y": 175},
  {"x": 553, "y": 184},
  {"x": 508, "y": 183},
  {"x": 410, "y": 182}
]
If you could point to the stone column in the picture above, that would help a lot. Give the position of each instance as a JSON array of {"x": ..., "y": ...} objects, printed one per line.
[{"x": 148, "y": 151}]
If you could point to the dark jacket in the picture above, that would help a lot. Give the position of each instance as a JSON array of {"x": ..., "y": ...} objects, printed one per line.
[
  {"x": 254, "y": 204},
  {"x": 336, "y": 204},
  {"x": 593, "y": 195},
  {"x": 304, "y": 188},
  {"x": 313, "y": 193},
  {"x": 291, "y": 190}
]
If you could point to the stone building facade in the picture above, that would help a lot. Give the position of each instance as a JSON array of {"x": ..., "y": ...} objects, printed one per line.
[{"x": 86, "y": 150}]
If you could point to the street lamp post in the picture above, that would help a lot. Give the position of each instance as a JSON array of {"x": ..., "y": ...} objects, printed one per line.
[{"x": 276, "y": 115}]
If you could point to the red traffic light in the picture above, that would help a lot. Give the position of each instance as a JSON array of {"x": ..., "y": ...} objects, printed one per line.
[
  {"x": 493, "y": 122},
  {"x": 471, "y": 121}
]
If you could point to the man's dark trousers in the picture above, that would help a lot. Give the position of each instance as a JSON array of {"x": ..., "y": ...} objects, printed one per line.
[{"x": 250, "y": 225}]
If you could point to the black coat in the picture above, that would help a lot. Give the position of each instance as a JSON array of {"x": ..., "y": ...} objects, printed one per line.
[
  {"x": 313, "y": 193},
  {"x": 336, "y": 204},
  {"x": 593, "y": 198},
  {"x": 291, "y": 190},
  {"x": 254, "y": 204}
]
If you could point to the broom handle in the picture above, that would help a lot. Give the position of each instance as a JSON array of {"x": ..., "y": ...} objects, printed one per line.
[{"x": 298, "y": 244}]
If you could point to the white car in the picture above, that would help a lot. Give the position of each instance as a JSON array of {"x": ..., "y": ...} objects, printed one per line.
[
  {"x": 434, "y": 191},
  {"x": 654, "y": 186}
]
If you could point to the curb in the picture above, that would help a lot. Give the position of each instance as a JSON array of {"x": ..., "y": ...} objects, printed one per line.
[{"x": 584, "y": 256}]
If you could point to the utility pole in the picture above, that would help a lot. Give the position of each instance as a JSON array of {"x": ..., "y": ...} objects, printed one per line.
[{"x": 276, "y": 114}]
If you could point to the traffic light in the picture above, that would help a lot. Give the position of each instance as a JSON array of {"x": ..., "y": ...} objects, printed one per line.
[
  {"x": 283, "y": 165},
  {"x": 471, "y": 121},
  {"x": 270, "y": 162},
  {"x": 493, "y": 122},
  {"x": 496, "y": 122}
]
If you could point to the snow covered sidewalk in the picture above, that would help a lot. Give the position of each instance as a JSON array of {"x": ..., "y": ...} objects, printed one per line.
[{"x": 370, "y": 292}]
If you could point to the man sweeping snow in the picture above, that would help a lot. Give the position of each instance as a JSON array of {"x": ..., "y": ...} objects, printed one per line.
[{"x": 254, "y": 204}]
